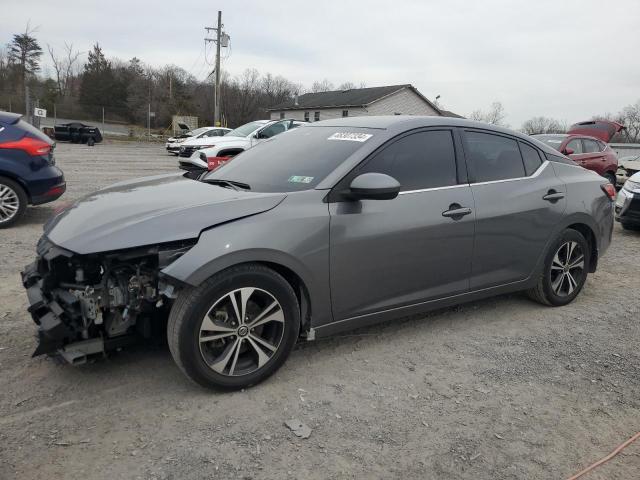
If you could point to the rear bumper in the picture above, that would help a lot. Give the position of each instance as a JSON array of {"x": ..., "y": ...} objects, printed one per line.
[{"x": 50, "y": 195}]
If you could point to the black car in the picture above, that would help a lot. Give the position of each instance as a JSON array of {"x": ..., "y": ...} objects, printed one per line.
[
  {"x": 628, "y": 204},
  {"x": 77, "y": 132},
  {"x": 28, "y": 174}
]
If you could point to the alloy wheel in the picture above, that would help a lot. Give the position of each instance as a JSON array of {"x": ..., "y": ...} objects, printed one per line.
[
  {"x": 241, "y": 332},
  {"x": 9, "y": 203},
  {"x": 567, "y": 269}
]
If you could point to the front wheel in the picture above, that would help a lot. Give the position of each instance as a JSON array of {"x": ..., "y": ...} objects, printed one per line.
[
  {"x": 235, "y": 329},
  {"x": 565, "y": 270}
]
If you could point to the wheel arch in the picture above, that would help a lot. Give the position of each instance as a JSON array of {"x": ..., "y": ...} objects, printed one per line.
[
  {"x": 19, "y": 181},
  {"x": 288, "y": 267},
  {"x": 588, "y": 233}
]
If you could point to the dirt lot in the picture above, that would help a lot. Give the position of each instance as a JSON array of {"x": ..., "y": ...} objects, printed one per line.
[{"x": 498, "y": 389}]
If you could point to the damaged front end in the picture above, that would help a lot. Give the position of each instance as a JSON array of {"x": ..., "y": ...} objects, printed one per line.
[{"x": 87, "y": 305}]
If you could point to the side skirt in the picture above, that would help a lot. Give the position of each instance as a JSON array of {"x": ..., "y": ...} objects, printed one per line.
[{"x": 423, "y": 307}]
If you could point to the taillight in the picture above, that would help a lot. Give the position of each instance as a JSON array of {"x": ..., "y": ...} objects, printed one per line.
[
  {"x": 32, "y": 146},
  {"x": 609, "y": 190},
  {"x": 215, "y": 162}
]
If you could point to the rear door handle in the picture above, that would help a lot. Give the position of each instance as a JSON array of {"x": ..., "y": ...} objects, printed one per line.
[
  {"x": 456, "y": 211},
  {"x": 552, "y": 196}
]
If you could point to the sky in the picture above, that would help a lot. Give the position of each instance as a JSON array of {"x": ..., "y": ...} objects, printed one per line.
[{"x": 566, "y": 59}]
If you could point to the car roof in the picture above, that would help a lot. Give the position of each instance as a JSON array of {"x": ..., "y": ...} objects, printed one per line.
[
  {"x": 399, "y": 123},
  {"x": 9, "y": 117}
]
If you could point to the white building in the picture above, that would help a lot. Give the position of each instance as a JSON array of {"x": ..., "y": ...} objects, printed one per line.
[{"x": 357, "y": 102}]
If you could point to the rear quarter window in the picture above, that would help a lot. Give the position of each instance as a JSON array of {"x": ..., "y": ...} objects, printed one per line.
[{"x": 531, "y": 158}]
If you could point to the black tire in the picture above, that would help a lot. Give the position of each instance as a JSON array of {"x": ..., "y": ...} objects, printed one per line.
[
  {"x": 18, "y": 195},
  {"x": 544, "y": 292},
  {"x": 91, "y": 142},
  {"x": 187, "y": 318},
  {"x": 611, "y": 177}
]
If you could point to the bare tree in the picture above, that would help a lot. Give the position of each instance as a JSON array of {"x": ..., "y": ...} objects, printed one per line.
[
  {"x": 537, "y": 125},
  {"x": 66, "y": 67},
  {"x": 495, "y": 115},
  {"x": 323, "y": 86},
  {"x": 347, "y": 86},
  {"x": 630, "y": 118}
]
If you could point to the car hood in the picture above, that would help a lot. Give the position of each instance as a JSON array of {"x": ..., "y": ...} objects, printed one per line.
[
  {"x": 152, "y": 210},
  {"x": 600, "y": 129},
  {"x": 214, "y": 140}
]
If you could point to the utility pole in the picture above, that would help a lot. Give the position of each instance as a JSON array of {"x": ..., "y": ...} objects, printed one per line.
[
  {"x": 216, "y": 116},
  {"x": 221, "y": 40},
  {"x": 27, "y": 104}
]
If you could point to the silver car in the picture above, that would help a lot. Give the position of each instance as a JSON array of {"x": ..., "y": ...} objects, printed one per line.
[{"x": 341, "y": 224}]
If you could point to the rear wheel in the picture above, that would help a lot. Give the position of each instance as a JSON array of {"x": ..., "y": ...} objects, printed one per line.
[
  {"x": 235, "y": 329},
  {"x": 565, "y": 270},
  {"x": 13, "y": 202}
]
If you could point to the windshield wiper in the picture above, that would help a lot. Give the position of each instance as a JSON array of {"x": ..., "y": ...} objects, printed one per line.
[{"x": 229, "y": 183}]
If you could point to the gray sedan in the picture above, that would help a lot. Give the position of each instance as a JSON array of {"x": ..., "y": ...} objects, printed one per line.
[{"x": 338, "y": 225}]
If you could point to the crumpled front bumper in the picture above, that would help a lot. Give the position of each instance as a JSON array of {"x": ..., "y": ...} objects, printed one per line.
[{"x": 47, "y": 313}]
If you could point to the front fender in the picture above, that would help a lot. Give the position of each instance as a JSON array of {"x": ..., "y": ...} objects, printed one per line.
[{"x": 294, "y": 235}]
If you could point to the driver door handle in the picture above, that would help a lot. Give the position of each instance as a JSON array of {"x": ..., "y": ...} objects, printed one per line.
[
  {"x": 456, "y": 212},
  {"x": 552, "y": 196}
]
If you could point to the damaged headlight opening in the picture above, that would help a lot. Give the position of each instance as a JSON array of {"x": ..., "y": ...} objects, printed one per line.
[{"x": 87, "y": 305}]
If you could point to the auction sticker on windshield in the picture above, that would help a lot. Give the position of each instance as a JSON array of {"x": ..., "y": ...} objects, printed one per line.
[
  {"x": 300, "y": 179},
  {"x": 351, "y": 136}
]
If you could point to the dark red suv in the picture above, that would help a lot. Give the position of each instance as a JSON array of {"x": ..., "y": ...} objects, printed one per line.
[{"x": 585, "y": 143}]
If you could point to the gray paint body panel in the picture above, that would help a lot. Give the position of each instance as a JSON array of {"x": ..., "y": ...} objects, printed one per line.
[
  {"x": 373, "y": 260},
  {"x": 385, "y": 254},
  {"x": 149, "y": 211}
]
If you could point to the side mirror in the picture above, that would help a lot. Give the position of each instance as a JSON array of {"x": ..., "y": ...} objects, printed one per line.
[
  {"x": 373, "y": 186},
  {"x": 568, "y": 151}
]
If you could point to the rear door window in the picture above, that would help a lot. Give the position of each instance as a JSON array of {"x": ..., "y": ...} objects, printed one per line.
[
  {"x": 590, "y": 146},
  {"x": 493, "y": 157},
  {"x": 575, "y": 145},
  {"x": 531, "y": 157},
  {"x": 418, "y": 161}
]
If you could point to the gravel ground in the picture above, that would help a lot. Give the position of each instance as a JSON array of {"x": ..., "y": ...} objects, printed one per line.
[{"x": 498, "y": 389}]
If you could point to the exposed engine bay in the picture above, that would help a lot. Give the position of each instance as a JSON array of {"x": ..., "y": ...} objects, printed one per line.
[{"x": 87, "y": 305}]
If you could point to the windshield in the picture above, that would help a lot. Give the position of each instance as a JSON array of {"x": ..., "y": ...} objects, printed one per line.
[
  {"x": 296, "y": 160},
  {"x": 554, "y": 141},
  {"x": 245, "y": 129}
]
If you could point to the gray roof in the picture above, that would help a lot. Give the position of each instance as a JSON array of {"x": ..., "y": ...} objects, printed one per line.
[
  {"x": 355, "y": 97},
  {"x": 400, "y": 123}
]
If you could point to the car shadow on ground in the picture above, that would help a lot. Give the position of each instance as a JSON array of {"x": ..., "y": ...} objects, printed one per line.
[
  {"x": 154, "y": 362},
  {"x": 36, "y": 215}
]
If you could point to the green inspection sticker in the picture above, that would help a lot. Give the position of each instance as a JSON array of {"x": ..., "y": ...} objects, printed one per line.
[{"x": 300, "y": 179}]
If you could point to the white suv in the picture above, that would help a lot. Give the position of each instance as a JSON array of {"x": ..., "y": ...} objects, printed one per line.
[{"x": 174, "y": 143}]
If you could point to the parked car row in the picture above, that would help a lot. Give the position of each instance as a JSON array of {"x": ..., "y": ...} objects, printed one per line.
[
  {"x": 586, "y": 144},
  {"x": 200, "y": 158}
]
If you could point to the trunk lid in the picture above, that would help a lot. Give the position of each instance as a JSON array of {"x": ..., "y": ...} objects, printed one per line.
[{"x": 601, "y": 129}]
